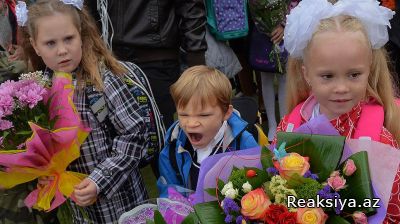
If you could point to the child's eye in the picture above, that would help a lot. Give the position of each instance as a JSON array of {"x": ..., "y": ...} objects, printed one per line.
[
  {"x": 326, "y": 76},
  {"x": 354, "y": 75},
  {"x": 50, "y": 43},
  {"x": 204, "y": 115},
  {"x": 69, "y": 38}
]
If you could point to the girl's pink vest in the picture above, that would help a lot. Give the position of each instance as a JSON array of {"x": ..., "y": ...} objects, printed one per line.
[{"x": 369, "y": 125}]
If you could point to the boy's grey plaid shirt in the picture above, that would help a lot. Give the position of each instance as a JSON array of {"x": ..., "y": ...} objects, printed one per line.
[{"x": 112, "y": 163}]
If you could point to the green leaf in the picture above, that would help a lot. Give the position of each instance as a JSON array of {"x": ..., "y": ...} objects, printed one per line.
[
  {"x": 209, "y": 213},
  {"x": 37, "y": 118},
  {"x": 148, "y": 221},
  {"x": 191, "y": 219},
  {"x": 5, "y": 133},
  {"x": 334, "y": 219},
  {"x": 295, "y": 181},
  {"x": 65, "y": 214},
  {"x": 24, "y": 133},
  {"x": 158, "y": 219},
  {"x": 266, "y": 158},
  {"x": 221, "y": 184},
  {"x": 211, "y": 191},
  {"x": 324, "y": 152},
  {"x": 359, "y": 184}
]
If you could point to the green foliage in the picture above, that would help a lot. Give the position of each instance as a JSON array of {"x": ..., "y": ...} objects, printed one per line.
[
  {"x": 191, "y": 219},
  {"x": 266, "y": 158},
  {"x": 309, "y": 189},
  {"x": 359, "y": 184},
  {"x": 238, "y": 178},
  {"x": 158, "y": 218},
  {"x": 209, "y": 212}
]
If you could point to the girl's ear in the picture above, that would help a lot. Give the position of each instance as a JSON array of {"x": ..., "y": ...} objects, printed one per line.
[
  {"x": 34, "y": 45},
  {"x": 228, "y": 113},
  {"x": 304, "y": 74}
]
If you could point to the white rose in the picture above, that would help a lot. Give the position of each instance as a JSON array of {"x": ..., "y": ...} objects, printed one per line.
[
  {"x": 227, "y": 186},
  {"x": 247, "y": 187},
  {"x": 231, "y": 193}
]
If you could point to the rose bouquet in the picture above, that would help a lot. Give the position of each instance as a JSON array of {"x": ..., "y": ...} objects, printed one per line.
[
  {"x": 287, "y": 190},
  {"x": 267, "y": 14},
  {"x": 310, "y": 178}
]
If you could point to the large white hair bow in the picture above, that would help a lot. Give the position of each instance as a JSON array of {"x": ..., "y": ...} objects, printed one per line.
[
  {"x": 21, "y": 13},
  {"x": 77, "y": 3},
  {"x": 303, "y": 20},
  {"x": 21, "y": 10}
]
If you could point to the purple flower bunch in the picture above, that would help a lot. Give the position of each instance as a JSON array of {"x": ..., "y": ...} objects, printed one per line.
[{"x": 20, "y": 102}]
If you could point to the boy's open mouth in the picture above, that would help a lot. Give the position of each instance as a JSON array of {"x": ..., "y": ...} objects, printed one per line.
[{"x": 195, "y": 137}]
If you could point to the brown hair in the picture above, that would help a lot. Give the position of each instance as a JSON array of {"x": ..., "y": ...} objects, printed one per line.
[
  {"x": 208, "y": 84},
  {"x": 94, "y": 52},
  {"x": 380, "y": 84}
]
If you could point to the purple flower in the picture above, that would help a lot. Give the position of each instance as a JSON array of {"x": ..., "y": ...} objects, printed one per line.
[
  {"x": 273, "y": 171},
  {"x": 1, "y": 141},
  {"x": 30, "y": 93},
  {"x": 326, "y": 193},
  {"x": 21, "y": 146},
  {"x": 6, "y": 105},
  {"x": 4, "y": 125},
  {"x": 308, "y": 174},
  {"x": 240, "y": 219},
  {"x": 7, "y": 88},
  {"x": 229, "y": 205},
  {"x": 228, "y": 218}
]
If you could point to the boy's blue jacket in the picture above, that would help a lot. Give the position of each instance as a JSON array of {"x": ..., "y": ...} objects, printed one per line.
[{"x": 236, "y": 128}]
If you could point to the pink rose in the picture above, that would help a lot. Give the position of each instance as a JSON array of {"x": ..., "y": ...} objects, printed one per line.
[
  {"x": 311, "y": 216},
  {"x": 360, "y": 218},
  {"x": 336, "y": 182},
  {"x": 349, "y": 167}
]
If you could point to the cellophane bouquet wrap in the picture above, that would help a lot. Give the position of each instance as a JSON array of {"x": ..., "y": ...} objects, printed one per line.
[
  {"x": 263, "y": 185},
  {"x": 41, "y": 135}
]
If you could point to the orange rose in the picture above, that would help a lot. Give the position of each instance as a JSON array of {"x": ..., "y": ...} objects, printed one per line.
[
  {"x": 311, "y": 216},
  {"x": 255, "y": 204},
  {"x": 291, "y": 164}
]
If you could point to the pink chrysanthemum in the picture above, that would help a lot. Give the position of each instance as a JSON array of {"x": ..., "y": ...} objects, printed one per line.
[
  {"x": 6, "y": 105},
  {"x": 7, "y": 88},
  {"x": 30, "y": 93},
  {"x": 5, "y": 125}
]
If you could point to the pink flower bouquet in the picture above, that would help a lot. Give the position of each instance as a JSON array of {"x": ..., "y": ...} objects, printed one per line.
[{"x": 41, "y": 136}]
